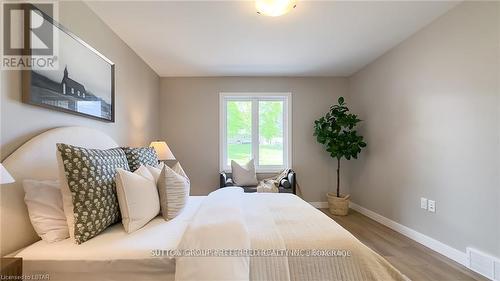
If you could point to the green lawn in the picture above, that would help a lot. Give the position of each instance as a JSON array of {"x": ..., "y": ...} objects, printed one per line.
[{"x": 269, "y": 154}]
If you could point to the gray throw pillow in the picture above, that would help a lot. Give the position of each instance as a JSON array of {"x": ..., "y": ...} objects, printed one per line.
[
  {"x": 138, "y": 156},
  {"x": 244, "y": 175},
  {"x": 90, "y": 178}
]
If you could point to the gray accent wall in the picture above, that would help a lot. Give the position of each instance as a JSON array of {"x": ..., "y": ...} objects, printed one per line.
[
  {"x": 190, "y": 125},
  {"x": 137, "y": 91},
  {"x": 432, "y": 111}
]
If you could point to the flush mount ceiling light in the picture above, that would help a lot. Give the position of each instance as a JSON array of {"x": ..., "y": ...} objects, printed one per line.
[{"x": 274, "y": 8}]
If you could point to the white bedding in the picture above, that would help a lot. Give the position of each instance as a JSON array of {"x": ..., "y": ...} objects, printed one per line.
[
  {"x": 261, "y": 220},
  {"x": 218, "y": 224},
  {"x": 277, "y": 222},
  {"x": 113, "y": 254}
]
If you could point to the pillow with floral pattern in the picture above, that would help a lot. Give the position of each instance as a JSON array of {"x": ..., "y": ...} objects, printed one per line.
[
  {"x": 138, "y": 156},
  {"x": 89, "y": 190}
]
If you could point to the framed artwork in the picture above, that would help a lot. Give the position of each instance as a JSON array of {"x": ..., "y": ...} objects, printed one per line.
[{"x": 82, "y": 83}]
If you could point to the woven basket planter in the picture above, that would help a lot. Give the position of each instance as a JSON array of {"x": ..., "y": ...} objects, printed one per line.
[{"x": 338, "y": 206}]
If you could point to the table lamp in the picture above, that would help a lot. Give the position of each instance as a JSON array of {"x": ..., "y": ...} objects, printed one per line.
[{"x": 162, "y": 150}]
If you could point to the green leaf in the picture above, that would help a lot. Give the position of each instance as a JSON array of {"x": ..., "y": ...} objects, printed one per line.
[{"x": 336, "y": 131}]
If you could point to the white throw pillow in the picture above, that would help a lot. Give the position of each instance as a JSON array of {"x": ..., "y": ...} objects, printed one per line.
[
  {"x": 137, "y": 197},
  {"x": 173, "y": 187},
  {"x": 156, "y": 171},
  {"x": 244, "y": 175},
  {"x": 45, "y": 209}
]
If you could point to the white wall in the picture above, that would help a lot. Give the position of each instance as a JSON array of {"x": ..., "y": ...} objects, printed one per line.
[
  {"x": 190, "y": 125},
  {"x": 432, "y": 109},
  {"x": 137, "y": 91}
]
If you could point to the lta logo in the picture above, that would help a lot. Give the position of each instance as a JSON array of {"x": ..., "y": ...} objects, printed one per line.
[{"x": 28, "y": 36}]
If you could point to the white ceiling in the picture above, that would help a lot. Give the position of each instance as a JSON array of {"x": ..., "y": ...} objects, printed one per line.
[{"x": 228, "y": 38}]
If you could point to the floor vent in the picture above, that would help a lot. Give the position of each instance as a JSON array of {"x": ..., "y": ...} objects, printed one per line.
[{"x": 483, "y": 264}]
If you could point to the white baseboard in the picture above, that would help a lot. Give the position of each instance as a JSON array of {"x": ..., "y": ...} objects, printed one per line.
[
  {"x": 445, "y": 250},
  {"x": 423, "y": 239}
]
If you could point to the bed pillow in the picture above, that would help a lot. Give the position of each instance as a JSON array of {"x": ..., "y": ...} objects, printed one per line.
[
  {"x": 88, "y": 188},
  {"x": 173, "y": 187},
  {"x": 155, "y": 171},
  {"x": 45, "y": 208},
  {"x": 244, "y": 175},
  {"x": 137, "y": 196},
  {"x": 137, "y": 156}
]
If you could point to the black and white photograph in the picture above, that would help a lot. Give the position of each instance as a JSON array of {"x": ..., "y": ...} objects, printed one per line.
[{"x": 81, "y": 84}]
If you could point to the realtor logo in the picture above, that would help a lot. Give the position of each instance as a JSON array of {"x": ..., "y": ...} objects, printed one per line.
[{"x": 28, "y": 36}]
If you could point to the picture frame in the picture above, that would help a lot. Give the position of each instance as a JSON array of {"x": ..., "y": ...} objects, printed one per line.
[{"x": 83, "y": 84}]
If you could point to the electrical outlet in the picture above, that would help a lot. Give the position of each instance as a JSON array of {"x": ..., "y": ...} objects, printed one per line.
[
  {"x": 431, "y": 206},
  {"x": 423, "y": 203}
]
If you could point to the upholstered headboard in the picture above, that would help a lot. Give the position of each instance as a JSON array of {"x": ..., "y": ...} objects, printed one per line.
[{"x": 36, "y": 159}]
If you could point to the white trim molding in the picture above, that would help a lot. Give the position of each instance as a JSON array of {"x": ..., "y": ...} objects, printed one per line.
[
  {"x": 423, "y": 239},
  {"x": 254, "y": 98},
  {"x": 492, "y": 264}
]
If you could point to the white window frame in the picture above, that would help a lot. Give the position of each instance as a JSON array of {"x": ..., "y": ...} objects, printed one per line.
[{"x": 255, "y": 98}]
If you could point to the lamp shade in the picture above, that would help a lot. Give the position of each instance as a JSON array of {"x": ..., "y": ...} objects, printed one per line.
[
  {"x": 5, "y": 177},
  {"x": 162, "y": 150}
]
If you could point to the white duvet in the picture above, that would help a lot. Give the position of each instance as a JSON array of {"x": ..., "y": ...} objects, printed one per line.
[
  {"x": 272, "y": 224},
  {"x": 218, "y": 224}
]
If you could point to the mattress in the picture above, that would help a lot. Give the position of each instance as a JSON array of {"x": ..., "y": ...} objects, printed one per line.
[{"x": 113, "y": 254}]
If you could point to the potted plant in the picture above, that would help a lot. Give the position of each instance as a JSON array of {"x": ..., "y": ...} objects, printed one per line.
[{"x": 336, "y": 131}]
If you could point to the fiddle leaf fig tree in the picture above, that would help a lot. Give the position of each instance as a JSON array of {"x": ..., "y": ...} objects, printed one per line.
[{"x": 336, "y": 131}]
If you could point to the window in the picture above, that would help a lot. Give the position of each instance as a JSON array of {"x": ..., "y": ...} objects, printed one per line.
[{"x": 255, "y": 126}]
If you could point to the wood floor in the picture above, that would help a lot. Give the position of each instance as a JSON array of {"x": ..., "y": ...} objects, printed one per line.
[{"x": 417, "y": 262}]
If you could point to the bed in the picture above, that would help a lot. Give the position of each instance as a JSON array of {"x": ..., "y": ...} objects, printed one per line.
[
  {"x": 225, "y": 219},
  {"x": 114, "y": 254}
]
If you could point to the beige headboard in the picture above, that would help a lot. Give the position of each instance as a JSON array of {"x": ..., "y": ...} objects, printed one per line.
[{"x": 36, "y": 159}]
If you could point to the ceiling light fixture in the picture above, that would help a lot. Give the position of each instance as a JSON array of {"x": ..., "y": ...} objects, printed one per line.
[{"x": 274, "y": 8}]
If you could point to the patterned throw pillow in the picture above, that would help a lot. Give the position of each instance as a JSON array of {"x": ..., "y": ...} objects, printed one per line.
[
  {"x": 173, "y": 187},
  {"x": 138, "y": 156},
  {"x": 90, "y": 178}
]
